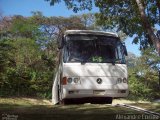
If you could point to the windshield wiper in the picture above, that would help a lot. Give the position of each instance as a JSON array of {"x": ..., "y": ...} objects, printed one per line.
[{"x": 75, "y": 60}]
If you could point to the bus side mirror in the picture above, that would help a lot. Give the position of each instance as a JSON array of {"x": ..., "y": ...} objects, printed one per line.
[
  {"x": 125, "y": 50},
  {"x": 61, "y": 42}
]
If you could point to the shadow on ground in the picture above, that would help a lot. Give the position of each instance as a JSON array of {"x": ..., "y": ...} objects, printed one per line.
[{"x": 68, "y": 112}]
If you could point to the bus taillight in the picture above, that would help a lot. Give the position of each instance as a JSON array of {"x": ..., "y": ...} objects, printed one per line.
[{"x": 64, "y": 80}]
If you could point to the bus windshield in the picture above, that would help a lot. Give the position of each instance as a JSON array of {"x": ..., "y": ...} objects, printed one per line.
[{"x": 95, "y": 50}]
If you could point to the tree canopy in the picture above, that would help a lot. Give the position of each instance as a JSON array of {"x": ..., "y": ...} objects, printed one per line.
[
  {"x": 136, "y": 18},
  {"x": 28, "y": 52}
]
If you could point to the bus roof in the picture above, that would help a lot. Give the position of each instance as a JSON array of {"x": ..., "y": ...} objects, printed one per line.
[{"x": 67, "y": 32}]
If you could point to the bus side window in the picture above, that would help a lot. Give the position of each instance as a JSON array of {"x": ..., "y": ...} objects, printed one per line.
[
  {"x": 65, "y": 54},
  {"x": 125, "y": 50},
  {"x": 120, "y": 53}
]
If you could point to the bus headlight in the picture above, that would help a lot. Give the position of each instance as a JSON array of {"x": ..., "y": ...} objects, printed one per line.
[
  {"x": 69, "y": 80},
  {"x": 119, "y": 80},
  {"x": 76, "y": 80},
  {"x": 124, "y": 80},
  {"x": 73, "y": 80}
]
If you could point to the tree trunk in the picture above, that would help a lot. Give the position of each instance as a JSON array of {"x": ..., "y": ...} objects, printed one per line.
[{"x": 147, "y": 26}]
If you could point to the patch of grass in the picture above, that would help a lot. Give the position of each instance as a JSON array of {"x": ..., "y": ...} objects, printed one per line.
[
  {"x": 68, "y": 112},
  {"x": 27, "y": 108},
  {"x": 24, "y": 101},
  {"x": 155, "y": 107},
  {"x": 152, "y": 106}
]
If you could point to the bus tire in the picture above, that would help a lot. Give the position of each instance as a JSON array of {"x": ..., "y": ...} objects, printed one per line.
[{"x": 109, "y": 100}]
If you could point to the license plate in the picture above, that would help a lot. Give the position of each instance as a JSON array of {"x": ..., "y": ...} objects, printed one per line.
[{"x": 99, "y": 92}]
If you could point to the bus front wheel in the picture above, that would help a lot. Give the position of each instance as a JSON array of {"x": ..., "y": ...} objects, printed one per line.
[{"x": 109, "y": 100}]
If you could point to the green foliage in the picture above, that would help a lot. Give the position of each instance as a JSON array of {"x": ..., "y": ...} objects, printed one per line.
[
  {"x": 97, "y": 59},
  {"x": 143, "y": 88},
  {"x": 28, "y": 52},
  {"x": 26, "y": 72},
  {"x": 76, "y": 5},
  {"x": 24, "y": 27},
  {"x": 23, "y": 70},
  {"x": 143, "y": 76}
]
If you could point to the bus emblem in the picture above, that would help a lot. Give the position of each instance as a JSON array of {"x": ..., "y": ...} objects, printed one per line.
[{"x": 99, "y": 80}]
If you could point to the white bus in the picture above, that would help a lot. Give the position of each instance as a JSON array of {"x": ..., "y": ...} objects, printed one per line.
[{"x": 92, "y": 68}]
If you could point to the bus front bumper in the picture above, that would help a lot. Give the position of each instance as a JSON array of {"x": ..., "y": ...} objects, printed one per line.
[{"x": 79, "y": 93}]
